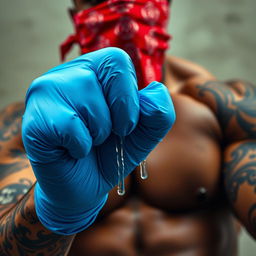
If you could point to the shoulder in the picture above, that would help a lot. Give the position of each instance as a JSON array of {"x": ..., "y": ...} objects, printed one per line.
[
  {"x": 181, "y": 69},
  {"x": 232, "y": 101}
]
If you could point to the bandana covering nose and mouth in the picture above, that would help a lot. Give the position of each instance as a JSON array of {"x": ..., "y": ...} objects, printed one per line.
[{"x": 136, "y": 26}]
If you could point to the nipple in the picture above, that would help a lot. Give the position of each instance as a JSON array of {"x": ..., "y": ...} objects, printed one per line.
[
  {"x": 120, "y": 167},
  {"x": 143, "y": 170},
  {"x": 202, "y": 194}
]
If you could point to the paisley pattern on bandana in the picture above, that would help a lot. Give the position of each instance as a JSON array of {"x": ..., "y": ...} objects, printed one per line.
[{"x": 138, "y": 27}]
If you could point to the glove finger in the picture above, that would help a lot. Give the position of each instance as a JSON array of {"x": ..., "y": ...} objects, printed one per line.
[
  {"x": 77, "y": 88},
  {"x": 52, "y": 134},
  {"x": 86, "y": 97},
  {"x": 157, "y": 116},
  {"x": 116, "y": 74}
]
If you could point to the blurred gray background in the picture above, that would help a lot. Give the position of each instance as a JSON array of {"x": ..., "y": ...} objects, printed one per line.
[{"x": 218, "y": 34}]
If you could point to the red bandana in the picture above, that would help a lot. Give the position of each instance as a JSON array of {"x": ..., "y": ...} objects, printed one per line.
[{"x": 136, "y": 26}]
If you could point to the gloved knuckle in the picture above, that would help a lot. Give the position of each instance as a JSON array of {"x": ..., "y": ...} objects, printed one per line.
[
  {"x": 118, "y": 55},
  {"x": 165, "y": 116},
  {"x": 171, "y": 119},
  {"x": 26, "y": 127},
  {"x": 39, "y": 83}
]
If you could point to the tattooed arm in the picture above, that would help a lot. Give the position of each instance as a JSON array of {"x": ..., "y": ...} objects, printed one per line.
[
  {"x": 234, "y": 103},
  {"x": 21, "y": 233},
  {"x": 240, "y": 181},
  {"x": 16, "y": 176}
]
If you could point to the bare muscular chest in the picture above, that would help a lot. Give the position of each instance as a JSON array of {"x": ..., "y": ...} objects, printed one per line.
[
  {"x": 145, "y": 221},
  {"x": 185, "y": 168}
]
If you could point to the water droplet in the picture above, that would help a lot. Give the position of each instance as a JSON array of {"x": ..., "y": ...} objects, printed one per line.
[
  {"x": 120, "y": 167},
  {"x": 143, "y": 170}
]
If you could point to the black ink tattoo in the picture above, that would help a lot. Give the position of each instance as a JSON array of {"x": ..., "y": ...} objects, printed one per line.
[
  {"x": 236, "y": 173},
  {"x": 27, "y": 236},
  {"x": 240, "y": 170},
  {"x": 11, "y": 193},
  {"x": 18, "y": 153},
  {"x": 231, "y": 103},
  {"x": 11, "y": 123},
  {"x": 7, "y": 169}
]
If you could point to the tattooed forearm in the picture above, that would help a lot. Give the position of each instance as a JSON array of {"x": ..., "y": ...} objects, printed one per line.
[
  {"x": 18, "y": 153},
  {"x": 10, "y": 168},
  {"x": 240, "y": 182},
  {"x": 234, "y": 104},
  {"x": 10, "y": 121},
  {"x": 12, "y": 193},
  {"x": 21, "y": 233}
]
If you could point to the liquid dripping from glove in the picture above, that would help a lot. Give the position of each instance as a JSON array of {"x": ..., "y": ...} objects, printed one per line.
[
  {"x": 143, "y": 170},
  {"x": 120, "y": 167}
]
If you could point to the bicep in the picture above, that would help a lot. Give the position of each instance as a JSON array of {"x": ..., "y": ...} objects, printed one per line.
[
  {"x": 240, "y": 181},
  {"x": 234, "y": 104}
]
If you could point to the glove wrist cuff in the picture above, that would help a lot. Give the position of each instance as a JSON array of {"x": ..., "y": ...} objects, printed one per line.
[{"x": 58, "y": 221}]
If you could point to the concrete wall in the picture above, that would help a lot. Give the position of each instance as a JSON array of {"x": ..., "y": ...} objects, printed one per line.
[{"x": 218, "y": 34}]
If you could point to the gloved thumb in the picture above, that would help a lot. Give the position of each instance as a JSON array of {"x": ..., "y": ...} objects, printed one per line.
[{"x": 157, "y": 115}]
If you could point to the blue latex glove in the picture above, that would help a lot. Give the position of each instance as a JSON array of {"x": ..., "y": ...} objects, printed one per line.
[{"x": 74, "y": 115}]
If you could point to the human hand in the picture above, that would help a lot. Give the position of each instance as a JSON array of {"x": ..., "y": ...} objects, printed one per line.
[{"x": 74, "y": 115}]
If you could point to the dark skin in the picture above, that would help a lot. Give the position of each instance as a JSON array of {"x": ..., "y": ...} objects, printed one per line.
[
  {"x": 200, "y": 176},
  {"x": 21, "y": 233}
]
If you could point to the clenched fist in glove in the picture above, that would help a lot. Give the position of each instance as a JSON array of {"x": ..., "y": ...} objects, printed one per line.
[{"x": 74, "y": 114}]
